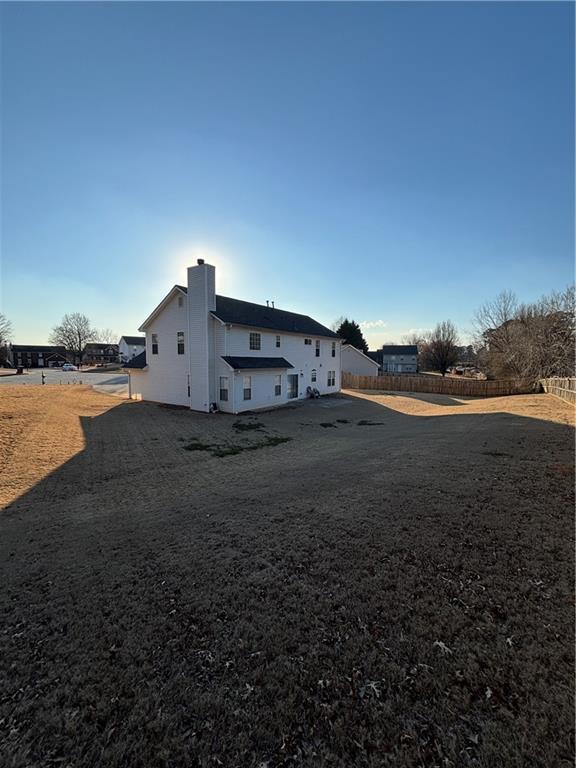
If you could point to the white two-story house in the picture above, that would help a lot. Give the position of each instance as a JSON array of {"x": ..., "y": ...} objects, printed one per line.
[
  {"x": 211, "y": 352},
  {"x": 130, "y": 346}
]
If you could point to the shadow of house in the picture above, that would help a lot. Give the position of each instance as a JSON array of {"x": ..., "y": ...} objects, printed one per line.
[{"x": 158, "y": 602}]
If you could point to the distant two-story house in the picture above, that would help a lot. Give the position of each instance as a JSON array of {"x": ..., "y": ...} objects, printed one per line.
[
  {"x": 37, "y": 356},
  {"x": 99, "y": 353},
  {"x": 130, "y": 346},
  {"x": 399, "y": 358},
  {"x": 211, "y": 352}
]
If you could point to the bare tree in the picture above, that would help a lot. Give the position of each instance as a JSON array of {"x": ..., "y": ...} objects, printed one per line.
[
  {"x": 415, "y": 339},
  {"x": 440, "y": 349},
  {"x": 337, "y": 323},
  {"x": 106, "y": 336},
  {"x": 5, "y": 336},
  {"x": 74, "y": 332},
  {"x": 530, "y": 341}
]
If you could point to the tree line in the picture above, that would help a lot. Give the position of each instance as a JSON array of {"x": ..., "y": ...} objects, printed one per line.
[
  {"x": 73, "y": 333},
  {"x": 510, "y": 339}
]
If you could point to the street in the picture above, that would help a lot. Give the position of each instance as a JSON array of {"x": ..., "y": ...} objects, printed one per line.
[{"x": 112, "y": 382}]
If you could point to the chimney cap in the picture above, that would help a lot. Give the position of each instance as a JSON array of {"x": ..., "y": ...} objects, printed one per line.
[{"x": 200, "y": 262}]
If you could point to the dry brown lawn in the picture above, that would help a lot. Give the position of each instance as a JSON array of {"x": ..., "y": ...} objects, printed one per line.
[{"x": 362, "y": 580}]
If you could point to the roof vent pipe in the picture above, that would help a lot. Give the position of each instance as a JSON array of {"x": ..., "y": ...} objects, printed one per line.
[
  {"x": 200, "y": 261},
  {"x": 272, "y": 305},
  {"x": 267, "y": 303}
]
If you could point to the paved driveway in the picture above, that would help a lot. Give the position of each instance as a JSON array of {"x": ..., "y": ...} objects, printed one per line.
[{"x": 112, "y": 382}]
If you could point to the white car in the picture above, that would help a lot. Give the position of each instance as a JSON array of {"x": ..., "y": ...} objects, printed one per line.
[{"x": 69, "y": 367}]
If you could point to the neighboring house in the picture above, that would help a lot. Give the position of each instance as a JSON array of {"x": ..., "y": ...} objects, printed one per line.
[
  {"x": 99, "y": 353},
  {"x": 131, "y": 346},
  {"x": 400, "y": 358},
  {"x": 36, "y": 356},
  {"x": 211, "y": 352},
  {"x": 355, "y": 361}
]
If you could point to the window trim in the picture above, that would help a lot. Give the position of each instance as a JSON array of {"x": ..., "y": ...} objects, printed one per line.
[
  {"x": 255, "y": 338},
  {"x": 180, "y": 344},
  {"x": 247, "y": 390},
  {"x": 224, "y": 398},
  {"x": 154, "y": 343}
]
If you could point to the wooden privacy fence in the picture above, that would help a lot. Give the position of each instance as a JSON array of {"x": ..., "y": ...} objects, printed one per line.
[
  {"x": 438, "y": 385},
  {"x": 564, "y": 388}
]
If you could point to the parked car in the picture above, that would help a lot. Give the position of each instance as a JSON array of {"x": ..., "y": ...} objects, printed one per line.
[{"x": 69, "y": 367}]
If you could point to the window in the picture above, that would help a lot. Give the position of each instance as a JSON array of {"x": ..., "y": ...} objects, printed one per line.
[
  {"x": 248, "y": 386},
  {"x": 317, "y": 348},
  {"x": 331, "y": 378},
  {"x": 154, "y": 344},
  {"x": 277, "y": 341},
  {"x": 277, "y": 386},
  {"x": 224, "y": 388},
  {"x": 313, "y": 376},
  {"x": 333, "y": 349},
  {"x": 180, "y": 342},
  {"x": 308, "y": 342},
  {"x": 180, "y": 301},
  {"x": 254, "y": 342}
]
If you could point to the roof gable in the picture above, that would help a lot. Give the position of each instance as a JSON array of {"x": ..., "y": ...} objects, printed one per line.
[
  {"x": 359, "y": 352},
  {"x": 134, "y": 341},
  {"x": 174, "y": 291}
]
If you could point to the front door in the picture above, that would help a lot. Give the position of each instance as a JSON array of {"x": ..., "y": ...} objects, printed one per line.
[{"x": 292, "y": 385}]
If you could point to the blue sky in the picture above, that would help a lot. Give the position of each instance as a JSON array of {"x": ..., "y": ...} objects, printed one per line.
[{"x": 398, "y": 163}]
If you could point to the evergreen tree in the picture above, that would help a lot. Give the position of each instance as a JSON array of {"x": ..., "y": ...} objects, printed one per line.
[{"x": 351, "y": 333}]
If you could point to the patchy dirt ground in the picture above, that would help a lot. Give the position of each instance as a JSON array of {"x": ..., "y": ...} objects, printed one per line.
[{"x": 357, "y": 581}]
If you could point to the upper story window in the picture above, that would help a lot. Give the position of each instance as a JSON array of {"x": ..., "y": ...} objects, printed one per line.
[
  {"x": 317, "y": 348},
  {"x": 308, "y": 342},
  {"x": 180, "y": 342},
  {"x": 277, "y": 341},
  {"x": 333, "y": 349},
  {"x": 255, "y": 341},
  {"x": 154, "y": 343},
  {"x": 180, "y": 301}
]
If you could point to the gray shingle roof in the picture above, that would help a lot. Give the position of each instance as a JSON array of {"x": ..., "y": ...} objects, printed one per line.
[
  {"x": 258, "y": 316},
  {"x": 244, "y": 363},
  {"x": 400, "y": 349},
  {"x": 139, "y": 361},
  {"x": 135, "y": 341}
]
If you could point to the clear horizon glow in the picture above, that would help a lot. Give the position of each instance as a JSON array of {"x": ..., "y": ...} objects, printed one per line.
[{"x": 395, "y": 163}]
